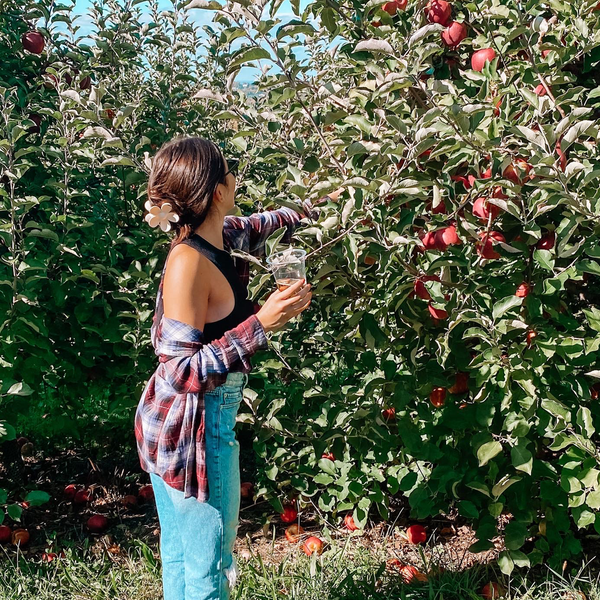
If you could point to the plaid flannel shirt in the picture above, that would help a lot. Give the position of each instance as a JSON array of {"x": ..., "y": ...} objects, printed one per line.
[{"x": 169, "y": 420}]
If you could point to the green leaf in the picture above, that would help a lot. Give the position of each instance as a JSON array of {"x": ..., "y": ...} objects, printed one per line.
[
  {"x": 245, "y": 55},
  {"x": 37, "y": 497},
  {"x": 503, "y": 306},
  {"x": 522, "y": 459},
  {"x": 487, "y": 451},
  {"x": 505, "y": 562},
  {"x": 468, "y": 509},
  {"x": 14, "y": 512},
  {"x": 7, "y": 432}
]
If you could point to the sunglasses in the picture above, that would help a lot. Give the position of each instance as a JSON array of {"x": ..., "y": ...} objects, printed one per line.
[{"x": 233, "y": 166}]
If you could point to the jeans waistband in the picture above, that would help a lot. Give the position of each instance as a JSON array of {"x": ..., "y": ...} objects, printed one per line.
[{"x": 236, "y": 378}]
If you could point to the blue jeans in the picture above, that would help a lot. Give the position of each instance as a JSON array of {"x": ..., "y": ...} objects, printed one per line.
[{"x": 196, "y": 538}]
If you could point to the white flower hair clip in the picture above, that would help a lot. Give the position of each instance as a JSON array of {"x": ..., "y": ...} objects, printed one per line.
[{"x": 162, "y": 215}]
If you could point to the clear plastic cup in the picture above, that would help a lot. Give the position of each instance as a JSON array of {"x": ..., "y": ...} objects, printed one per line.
[{"x": 287, "y": 266}]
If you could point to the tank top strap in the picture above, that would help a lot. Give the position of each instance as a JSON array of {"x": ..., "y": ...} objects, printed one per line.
[{"x": 221, "y": 259}]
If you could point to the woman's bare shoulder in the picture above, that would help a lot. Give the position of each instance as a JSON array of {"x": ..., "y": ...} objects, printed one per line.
[{"x": 187, "y": 273}]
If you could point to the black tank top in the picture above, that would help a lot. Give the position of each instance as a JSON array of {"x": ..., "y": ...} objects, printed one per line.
[{"x": 243, "y": 307}]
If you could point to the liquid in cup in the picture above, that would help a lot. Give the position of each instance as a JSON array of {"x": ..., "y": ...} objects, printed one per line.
[{"x": 288, "y": 267}]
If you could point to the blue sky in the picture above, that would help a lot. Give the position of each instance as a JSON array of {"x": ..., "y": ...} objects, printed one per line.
[{"x": 200, "y": 17}]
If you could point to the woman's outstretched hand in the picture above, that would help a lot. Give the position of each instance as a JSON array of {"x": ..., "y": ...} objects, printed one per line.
[{"x": 282, "y": 306}]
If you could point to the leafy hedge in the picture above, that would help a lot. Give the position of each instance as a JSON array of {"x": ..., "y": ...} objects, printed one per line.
[{"x": 451, "y": 352}]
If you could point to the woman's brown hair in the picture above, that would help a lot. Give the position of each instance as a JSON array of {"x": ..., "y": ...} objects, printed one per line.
[{"x": 185, "y": 172}]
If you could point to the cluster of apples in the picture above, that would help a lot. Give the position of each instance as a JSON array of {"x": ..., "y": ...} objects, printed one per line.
[
  {"x": 415, "y": 534},
  {"x": 18, "y": 537},
  {"x": 437, "y": 397},
  {"x": 294, "y": 532}
]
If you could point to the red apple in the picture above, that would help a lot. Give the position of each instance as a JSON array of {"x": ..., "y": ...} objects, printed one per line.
[
  {"x": 376, "y": 23},
  {"x": 594, "y": 392},
  {"x": 561, "y": 156},
  {"x": 439, "y": 11},
  {"x": 390, "y": 8},
  {"x": 70, "y": 491},
  {"x": 37, "y": 120},
  {"x": 431, "y": 242},
  {"x": 487, "y": 173},
  {"x": 438, "y": 396},
  {"x": 440, "y": 209},
  {"x": 540, "y": 90},
  {"x": 518, "y": 172},
  {"x": 85, "y": 83},
  {"x": 247, "y": 490},
  {"x": 416, "y": 533},
  {"x": 49, "y": 556},
  {"x": 483, "y": 209},
  {"x": 97, "y": 523},
  {"x": 485, "y": 248},
  {"x": 449, "y": 236},
  {"x": 420, "y": 288},
  {"x": 467, "y": 181},
  {"x": 130, "y": 501},
  {"x": 81, "y": 496},
  {"x": 461, "y": 384},
  {"x": 312, "y": 544},
  {"x": 531, "y": 335},
  {"x": 437, "y": 313},
  {"x": 349, "y": 522},
  {"x": 454, "y": 34},
  {"x": 33, "y": 41},
  {"x": 479, "y": 58},
  {"x": 5, "y": 534},
  {"x": 389, "y": 414},
  {"x": 20, "y": 537},
  {"x": 146, "y": 493},
  {"x": 411, "y": 574},
  {"x": 328, "y": 456},
  {"x": 289, "y": 514},
  {"x": 523, "y": 290},
  {"x": 293, "y": 533},
  {"x": 547, "y": 241},
  {"x": 492, "y": 591}
]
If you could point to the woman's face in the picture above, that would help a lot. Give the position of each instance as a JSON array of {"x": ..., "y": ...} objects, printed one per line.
[{"x": 226, "y": 192}]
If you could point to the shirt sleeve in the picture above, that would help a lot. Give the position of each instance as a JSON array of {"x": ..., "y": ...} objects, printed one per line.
[
  {"x": 259, "y": 226},
  {"x": 190, "y": 374}
]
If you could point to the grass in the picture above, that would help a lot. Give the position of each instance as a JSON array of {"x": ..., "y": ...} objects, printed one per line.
[{"x": 135, "y": 575}]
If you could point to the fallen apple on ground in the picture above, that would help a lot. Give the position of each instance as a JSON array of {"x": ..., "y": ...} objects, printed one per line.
[
  {"x": 247, "y": 490},
  {"x": 492, "y": 591},
  {"x": 312, "y": 544},
  {"x": 349, "y": 522},
  {"x": 97, "y": 523},
  {"x": 5, "y": 534},
  {"x": 70, "y": 491},
  {"x": 293, "y": 533},
  {"x": 82, "y": 496},
  {"x": 20, "y": 537},
  {"x": 146, "y": 493},
  {"x": 416, "y": 534},
  {"x": 130, "y": 501}
]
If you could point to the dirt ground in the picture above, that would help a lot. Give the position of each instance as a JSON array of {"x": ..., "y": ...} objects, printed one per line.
[{"x": 61, "y": 523}]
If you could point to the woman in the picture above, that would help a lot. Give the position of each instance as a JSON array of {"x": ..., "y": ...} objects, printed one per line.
[{"x": 204, "y": 331}]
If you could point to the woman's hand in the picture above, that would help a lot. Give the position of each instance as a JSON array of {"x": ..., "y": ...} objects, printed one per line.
[
  {"x": 335, "y": 195},
  {"x": 280, "y": 307}
]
